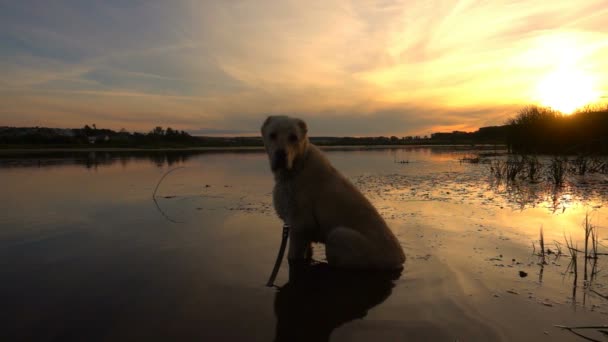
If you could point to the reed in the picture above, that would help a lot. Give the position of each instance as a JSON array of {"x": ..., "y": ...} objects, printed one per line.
[
  {"x": 515, "y": 166},
  {"x": 573, "y": 252},
  {"x": 498, "y": 168},
  {"x": 542, "y": 246},
  {"x": 533, "y": 168},
  {"x": 557, "y": 170}
]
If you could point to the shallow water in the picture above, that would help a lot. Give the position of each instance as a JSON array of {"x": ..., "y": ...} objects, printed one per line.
[{"x": 87, "y": 254}]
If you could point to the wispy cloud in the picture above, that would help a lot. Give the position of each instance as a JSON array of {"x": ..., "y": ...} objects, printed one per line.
[{"x": 349, "y": 67}]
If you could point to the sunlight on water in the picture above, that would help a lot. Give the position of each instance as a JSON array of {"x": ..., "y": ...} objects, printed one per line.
[{"x": 85, "y": 226}]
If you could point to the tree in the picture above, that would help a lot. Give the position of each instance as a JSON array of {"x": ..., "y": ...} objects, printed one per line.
[
  {"x": 157, "y": 131},
  {"x": 87, "y": 130}
]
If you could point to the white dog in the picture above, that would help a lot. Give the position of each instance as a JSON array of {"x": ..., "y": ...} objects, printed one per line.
[{"x": 321, "y": 205}]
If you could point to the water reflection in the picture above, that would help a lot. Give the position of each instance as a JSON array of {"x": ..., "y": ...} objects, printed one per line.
[
  {"x": 95, "y": 159},
  {"x": 524, "y": 195},
  {"x": 160, "y": 158},
  {"x": 318, "y": 299},
  {"x": 71, "y": 239}
]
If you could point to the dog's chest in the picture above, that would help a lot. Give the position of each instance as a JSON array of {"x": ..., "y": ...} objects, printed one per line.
[{"x": 282, "y": 198}]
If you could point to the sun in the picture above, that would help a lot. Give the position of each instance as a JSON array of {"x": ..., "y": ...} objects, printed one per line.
[{"x": 566, "y": 90}]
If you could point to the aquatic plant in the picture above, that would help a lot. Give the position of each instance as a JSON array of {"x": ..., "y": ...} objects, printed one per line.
[
  {"x": 580, "y": 165},
  {"x": 541, "y": 254},
  {"x": 471, "y": 159},
  {"x": 498, "y": 168},
  {"x": 557, "y": 170},
  {"x": 533, "y": 168},
  {"x": 598, "y": 164},
  {"x": 573, "y": 252},
  {"x": 515, "y": 166},
  {"x": 542, "y": 246}
]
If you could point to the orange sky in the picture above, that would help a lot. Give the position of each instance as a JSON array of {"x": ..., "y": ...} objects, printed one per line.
[{"x": 347, "y": 67}]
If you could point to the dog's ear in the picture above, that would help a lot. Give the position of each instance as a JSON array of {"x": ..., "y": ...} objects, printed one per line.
[
  {"x": 302, "y": 126},
  {"x": 266, "y": 122}
]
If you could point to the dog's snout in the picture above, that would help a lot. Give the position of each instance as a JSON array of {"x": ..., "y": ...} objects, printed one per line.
[
  {"x": 279, "y": 159},
  {"x": 280, "y": 154}
]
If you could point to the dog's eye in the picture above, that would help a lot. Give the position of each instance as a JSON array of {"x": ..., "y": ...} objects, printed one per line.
[
  {"x": 273, "y": 136},
  {"x": 293, "y": 138}
]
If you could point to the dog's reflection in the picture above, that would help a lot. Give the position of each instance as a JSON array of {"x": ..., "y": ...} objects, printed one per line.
[{"x": 318, "y": 299}]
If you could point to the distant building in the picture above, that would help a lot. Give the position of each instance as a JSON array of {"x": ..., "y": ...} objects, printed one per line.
[
  {"x": 452, "y": 135},
  {"x": 98, "y": 138},
  {"x": 66, "y": 132}
]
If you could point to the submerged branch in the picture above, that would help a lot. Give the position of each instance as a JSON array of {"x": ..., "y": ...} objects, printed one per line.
[
  {"x": 154, "y": 195},
  {"x": 573, "y": 330},
  {"x": 163, "y": 177}
]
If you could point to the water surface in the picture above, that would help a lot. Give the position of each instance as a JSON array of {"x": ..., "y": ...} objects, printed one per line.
[{"x": 87, "y": 254}]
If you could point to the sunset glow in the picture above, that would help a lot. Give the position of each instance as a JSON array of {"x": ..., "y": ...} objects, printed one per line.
[
  {"x": 570, "y": 82},
  {"x": 347, "y": 67},
  {"x": 567, "y": 90}
]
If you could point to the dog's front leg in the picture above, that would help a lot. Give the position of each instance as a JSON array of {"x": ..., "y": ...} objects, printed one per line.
[
  {"x": 299, "y": 248},
  {"x": 299, "y": 256}
]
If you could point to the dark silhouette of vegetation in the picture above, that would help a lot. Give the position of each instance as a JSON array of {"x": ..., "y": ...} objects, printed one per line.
[
  {"x": 534, "y": 130},
  {"x": 95, "y": 159},
  {"x": 538, "y": 130},
  {"x": 517, "y": 168},
  {"x": 159, "y": 137},
  {"x": 533, "y": 167},
  {"x": 557, "y": 170},
  {"x": 92, "y": 136}
]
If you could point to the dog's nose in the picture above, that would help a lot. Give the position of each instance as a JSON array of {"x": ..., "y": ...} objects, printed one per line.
[{"x": 279, "y": 159}]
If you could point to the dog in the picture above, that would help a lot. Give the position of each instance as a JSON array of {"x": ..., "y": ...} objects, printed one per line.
[{"x": 321, "y": 205}]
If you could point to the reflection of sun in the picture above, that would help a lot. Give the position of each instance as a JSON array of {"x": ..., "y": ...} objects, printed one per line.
[{"x": 566, "y": 90}]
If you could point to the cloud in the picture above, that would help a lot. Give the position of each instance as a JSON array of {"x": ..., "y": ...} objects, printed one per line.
[
  {"x": 222, "y": 132},
  {"x": 402, "y": 120},
  {"x": 350, "y": 67}
]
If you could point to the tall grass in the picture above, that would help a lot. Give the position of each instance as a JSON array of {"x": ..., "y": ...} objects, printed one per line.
[
  {"x": 557, "y": 170},
  {"x": 580, "y": 165},
  {"x": 590, "y": 251},
  {"x": 542, "y": 246},
  {"x": 498, "y": 168},
  {"x": 598, "y": 164},
  {"x": 533, "y": 168},
  {"x": 515, "y": 166},
  {"x": 573, "y": 265}
]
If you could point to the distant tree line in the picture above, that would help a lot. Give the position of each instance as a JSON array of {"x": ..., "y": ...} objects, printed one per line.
[
  {"x": 91, "y": 135},
  {"x": 542, "y": 130},
  {"x": 533, "y": 130}
]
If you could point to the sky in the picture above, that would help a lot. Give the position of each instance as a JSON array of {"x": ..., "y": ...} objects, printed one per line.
[{"x": 356, "y": 68}]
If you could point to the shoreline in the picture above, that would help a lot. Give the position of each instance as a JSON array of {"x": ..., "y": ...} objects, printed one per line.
[{"x": 226, "y": 148}]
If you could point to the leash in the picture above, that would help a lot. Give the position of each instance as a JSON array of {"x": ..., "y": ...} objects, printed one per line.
[{"x": 277, "y": 263}]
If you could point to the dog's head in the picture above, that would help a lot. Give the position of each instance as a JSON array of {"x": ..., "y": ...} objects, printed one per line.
[{"x": 285, "y": 141}]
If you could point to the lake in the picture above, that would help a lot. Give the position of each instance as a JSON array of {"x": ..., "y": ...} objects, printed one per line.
[{"x": 87, "y": 253}]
